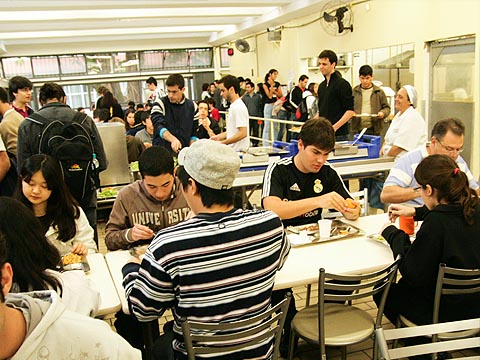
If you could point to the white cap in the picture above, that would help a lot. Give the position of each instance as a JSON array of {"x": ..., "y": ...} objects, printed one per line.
[{"x": 211, "y": 163}]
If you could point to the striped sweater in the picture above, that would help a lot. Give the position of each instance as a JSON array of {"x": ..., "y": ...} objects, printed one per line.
[{"x": 213, "y": 268}]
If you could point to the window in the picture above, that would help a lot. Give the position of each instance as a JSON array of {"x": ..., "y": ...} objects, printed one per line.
[
  {"x": 100, "y": 63},
  {"x": 72, "y": 64},
  {"x": 125, "y": 62},
  {"x": 200, "y": 58},
  {"x": 45, "y": 66},
  {"x": 17, "y": 66},
  {"x": 151, "y": 60},
  {"x": 175, "y": 59}
]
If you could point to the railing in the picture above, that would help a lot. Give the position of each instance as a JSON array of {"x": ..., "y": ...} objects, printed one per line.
[{"x": 271, "y": 139}]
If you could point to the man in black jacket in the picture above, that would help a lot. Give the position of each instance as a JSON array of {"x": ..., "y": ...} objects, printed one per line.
[
  {"x": 335, "y": 98},
  {"x": 174, "y": 117}
]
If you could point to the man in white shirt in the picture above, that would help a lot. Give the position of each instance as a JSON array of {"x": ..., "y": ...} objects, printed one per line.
[
  {"x": 237, "y": 132},
  {"x": 447, "y": 139}
]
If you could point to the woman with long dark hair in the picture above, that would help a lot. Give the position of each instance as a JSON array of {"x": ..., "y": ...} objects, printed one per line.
[
  {"x": 111, "y": 104},
  {"x": 42, "y": 189},
  {"x": 36, "y": 262},
  {"x": 450, "y": 234}
]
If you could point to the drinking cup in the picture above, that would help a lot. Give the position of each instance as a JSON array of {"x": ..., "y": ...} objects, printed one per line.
[
  {"x": 324, "y": 228},
  {"x": 407, "y": 224}
]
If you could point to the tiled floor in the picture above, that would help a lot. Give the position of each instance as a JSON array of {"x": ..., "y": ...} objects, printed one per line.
[{"x": 361, "y": 351}]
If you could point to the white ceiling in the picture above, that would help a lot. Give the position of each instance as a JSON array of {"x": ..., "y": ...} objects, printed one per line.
[{"x": 203, "y": 23}]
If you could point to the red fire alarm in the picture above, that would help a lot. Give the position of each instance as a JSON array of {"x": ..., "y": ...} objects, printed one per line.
[{"x": 230, "y": 51}]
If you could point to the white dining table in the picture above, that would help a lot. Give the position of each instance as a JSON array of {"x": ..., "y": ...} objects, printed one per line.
[
  {"x": 101, "y": 279},
  {"x": 355, "y": 255}
]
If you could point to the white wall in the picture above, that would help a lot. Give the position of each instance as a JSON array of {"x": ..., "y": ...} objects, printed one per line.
[{"x": 386, "y": 23}]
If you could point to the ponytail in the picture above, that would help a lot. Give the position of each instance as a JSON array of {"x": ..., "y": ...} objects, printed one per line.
[{"x": 451, "y": 184}]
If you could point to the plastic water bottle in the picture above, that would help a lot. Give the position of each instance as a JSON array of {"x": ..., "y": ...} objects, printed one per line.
[{"x": 95, "y": 162}]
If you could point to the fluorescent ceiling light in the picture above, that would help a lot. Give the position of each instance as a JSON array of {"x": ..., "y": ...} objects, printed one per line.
[
  {"x": 105, "y": 32},
  {"x": 10, "y": 16}
]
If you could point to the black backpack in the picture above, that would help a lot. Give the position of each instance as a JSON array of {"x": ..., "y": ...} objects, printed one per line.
[
  {"x": 302, "y": 113},
  {"x": 71, "y": 144}
]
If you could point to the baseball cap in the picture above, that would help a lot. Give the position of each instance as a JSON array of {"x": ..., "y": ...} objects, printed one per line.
[{"x": 211, "y": 163}]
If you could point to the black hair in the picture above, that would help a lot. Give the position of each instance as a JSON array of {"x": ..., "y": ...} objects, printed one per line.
[
  {"x": 27, "y": 249},
  {"x": 102, "y": 90},
  {"x": 155, "y": 161},
  {"x": 230, "y": 81},
  {"x": 79, "y": 109},
  {"x": 205, "y": 86},
  {"x": 208, "y": 195},
  {"x": 151, "y": 80},
  {"x": 452, "y": 124},
  {"x": 175, "y": 79},
  {"x": 62, "y": 209},
  {"x": 319, "y": 133},
  {"x": 303, "y": 77},
  {"x": 144, "y": 115},
  {"x": 211, "y": 101},
  {"x": 365, "y": 70},
  {"x": 330, "y": 55},
  {"x": 108, "y": 100},
  {"x": 441, "y": 172},
  {"x": 16, "y": 83},
  {"x": 4, "y": 96},
  {"x": 251, "y": 84},
  {"x": 102, "y": 114},
  {"x": 49, "y": 91},
  {"x": 202, "y": 102},
  {"x": 311, "y": 87}
]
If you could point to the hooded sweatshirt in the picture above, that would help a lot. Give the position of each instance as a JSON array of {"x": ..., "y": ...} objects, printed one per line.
[{"x": 56, "y": 333}]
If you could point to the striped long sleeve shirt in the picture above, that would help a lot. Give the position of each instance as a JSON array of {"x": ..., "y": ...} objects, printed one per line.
[{"x": 213, "y": 268}]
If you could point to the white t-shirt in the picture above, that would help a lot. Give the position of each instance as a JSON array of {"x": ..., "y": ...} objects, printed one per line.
[
  {"x": 238, "y": 117},
  {"x": 2, "y": 145},
  {"x": 407, "y": 131}
]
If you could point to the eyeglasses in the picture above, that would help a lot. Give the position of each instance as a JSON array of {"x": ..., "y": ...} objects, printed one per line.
[{"x": 450, "y": 149}]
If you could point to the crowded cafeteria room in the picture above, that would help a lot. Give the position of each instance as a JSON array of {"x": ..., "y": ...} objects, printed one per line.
[{"x": 287, "y": 179}]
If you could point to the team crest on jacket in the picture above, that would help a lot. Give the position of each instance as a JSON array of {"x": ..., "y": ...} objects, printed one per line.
[{"x": 317, "y": 186}]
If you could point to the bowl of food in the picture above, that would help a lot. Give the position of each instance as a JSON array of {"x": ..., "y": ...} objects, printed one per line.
[{"x": 73, "y": 261}]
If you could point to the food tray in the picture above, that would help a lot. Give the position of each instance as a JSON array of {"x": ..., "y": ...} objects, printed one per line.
[
  {"x": 139, "y": 251},
  {"x": 107, "y": 193},
  {"x": 81, "y": 264},
  {"x": 340, "y": 230}
]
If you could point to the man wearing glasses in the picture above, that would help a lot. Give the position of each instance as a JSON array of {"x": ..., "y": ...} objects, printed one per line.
[{"x": 447, "y": 139}]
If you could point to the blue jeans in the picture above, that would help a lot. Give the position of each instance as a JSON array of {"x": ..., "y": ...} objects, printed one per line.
[
  {"x": 282, "y": 115},
  {"x": 375, "y": 187},
  {"x": 267, "y": 114}
]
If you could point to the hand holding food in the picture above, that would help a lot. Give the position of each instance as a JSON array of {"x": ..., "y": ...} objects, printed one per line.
[
  {"x": 79, "y": 249},
  {"x": 396, "y": 210},
  {"x": 351, "y": 210},
  {"x": 141, "y": 232}
]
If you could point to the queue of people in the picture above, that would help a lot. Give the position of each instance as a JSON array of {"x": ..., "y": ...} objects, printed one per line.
[{"x": 202, "y": 251}]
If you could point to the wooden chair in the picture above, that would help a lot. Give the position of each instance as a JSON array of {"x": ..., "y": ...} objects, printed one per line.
[
  {"x": 382, "y": 336},
  {"x": 339, "y": 324},
  {"x": 221, "y": 338},
  {"x": 450, "y": 282}
]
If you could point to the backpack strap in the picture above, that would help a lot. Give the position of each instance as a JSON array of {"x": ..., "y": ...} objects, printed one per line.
[{"x": 37, "y": 118}]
